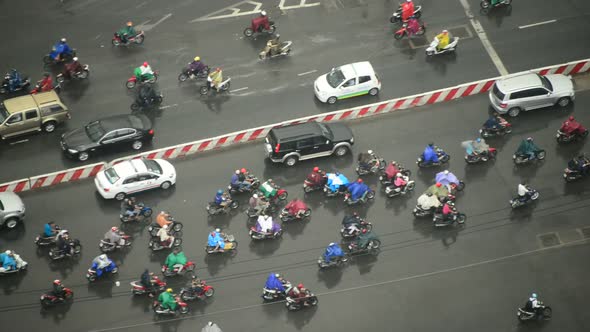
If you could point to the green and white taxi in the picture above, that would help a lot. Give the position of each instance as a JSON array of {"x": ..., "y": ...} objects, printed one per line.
[{"x": 347, "y": 81}]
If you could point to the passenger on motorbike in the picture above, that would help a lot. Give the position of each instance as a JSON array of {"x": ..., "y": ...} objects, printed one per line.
[
  {"x": 176, "y": 259},
  {"x": 163, "y": 219},
  {"x": 362, "y": 241},
  {"x": 412, "y": 26},
  {"x": 296, "y": 208},
  {"x": 391, "y": 170},
  {"x": 272, "y": 45},
  {"x": 430, "y": 155},
  {"x": 63, "y": 243},
  {"x": 448, "y": 210},
  {"x": 100, "y": 263},
  {"x": 407, "y": 10},
  {"x": 239, "y": 181},
  {"x": 58, "y": 289},
  {"x": 571, "y": 126},
  {"x": 62, "y": 49},
  {"x": 532, "y": 305},
  {"x": 115, "y": 236},
  {"x": 443, "y": 40},
  {"x": 73, "y": 67},
  {"x": 215, "y": 240},
  {"x": 367, "y": 159},
  {"x": 165, "y": 238},
  {"x": 333, "y": 251},
  {"x": 358, "y": 190},
  {"x": 129, "y": 207},
  {"x": 527, "y": 148},
  {"x": 316, "y": 177},
  {"x": 428, "y": 201},
  {"x": 144, "y": 72},
  {"x": 352, "y": 223},
  {"x": 524, "y": 194},
  {"x": 261, "y": 22},
  {"x": 215, "y": 78},
  {"x": 49, "y": 229},
  {"x": 14, "y": 80},
  {"x": 196, "y": 66},
  {"x": 167, "y": 300},
  {"x": 265, "y": 224},
  {"x": 400, "y": 181},
  {"x": 146, "y": 281},
  {"x": 127, "y": 32},
  {"x": 7, "y": 261}
]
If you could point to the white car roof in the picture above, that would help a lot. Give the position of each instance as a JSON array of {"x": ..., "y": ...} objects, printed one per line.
[
  {"x": 130, "y": 167},
  {"x": 357, "y": 69}
]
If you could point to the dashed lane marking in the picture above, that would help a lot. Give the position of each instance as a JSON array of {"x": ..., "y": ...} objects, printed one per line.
[
  {"x": 240, "y": 89},
  {"x": 19, "y": 142},
  {"x": 167, "y": 106},
  {"x": 307, "y": 72},
  {"x": 536, "y": 24}
]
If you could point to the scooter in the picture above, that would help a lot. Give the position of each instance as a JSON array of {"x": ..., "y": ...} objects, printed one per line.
[
  {"x": 132, "y": 81},
  {"x": 175, "y": 230},
  {"x": 286, "y": 216},
  {"x": 249, "y": 31},
  {"x": 93, "y": 274},
  {"x": 81, "y": 75},
  {"x": 433, "y": 50},
  {"x": 520, "y": 159},
  {"x": 481, "y": 157},
  {"x": 189, "y": 294},
  {"x": 23, "y": 267},
  {"x": 443, "y": 158},
  {"x": 456, "y": 217},
  {"x": 144, "y": 212},
  {"x": 189, "y": 267},
  {"x": 57, "y": 254},
  {"x": 230, "y": 246},
  {"x": 223, "y": 86},
  {"x": 156, "y": 245},
  {"x": 138, "y": 289},
  {"x": 48, "y": 299},
  {"x": 531, "y": 196},
  {"x": 137, "y": 39},
  {"x": 254, "y": 184},
  {"x": 25, "y": 82},
  {"x": 336, "y": 261},
  {"x": 392, "y": 190},
  {"x": 369, "y": 195},
  {"x": 147, "y": 102},
  {"x": 214, "y": 209},
  {"x": 51, "y": 58},
  {"x": 543, "y": 313},
  {"x": 504, "y": 128},
  {"x": 378, "y": 165},
  {"x": 403, "y": 31},
  {"x": 256, "y": 235},
  {"x": 283, "y": 49},
  {"x": 486, "y": 5},
  {"x": 397, "y": 15},
  {"x": 292, "y": 305},
  {"x": 181, "y": 308},
  {"x": 562, "y": 137},
  {"x": 106, "y": 246},
  {"x": 188, "y": 74}
]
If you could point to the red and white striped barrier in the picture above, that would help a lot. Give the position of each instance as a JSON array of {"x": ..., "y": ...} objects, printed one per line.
[{"x": 248, "y": 135}]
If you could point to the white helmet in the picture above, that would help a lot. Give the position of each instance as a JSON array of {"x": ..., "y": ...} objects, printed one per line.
[
  {"x": 332, "y": 243},
  {"x": 408, "y": 0},
  {"x": 218, "y": 230},
  {"x": 63, "y": 40},
  {"x": 210, "y": 323},
  {"x": 8, "y": 252},
  {"x": 263, "y": 13},
  {"x": 75, "y": 58},
  {"x": 102, "y": 257},
  {"x": 370, "y": 152},
  {"x": 237, "y": 171},
  {"x": 398, "y": 174},
  {"x": 255, "y": 195},
  {"x": 446, "y": 171}
]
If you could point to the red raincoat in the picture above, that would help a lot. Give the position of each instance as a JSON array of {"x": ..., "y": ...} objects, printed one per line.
[
  {"x": 391, "y": 171},
  {"x": 260, "y": 21},
  {"x": 570, "y": 127},
  {"x": 407, "y": 10},
  {"x": 295, "y": 206}
]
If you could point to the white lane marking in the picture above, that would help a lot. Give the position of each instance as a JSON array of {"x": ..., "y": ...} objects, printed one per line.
[
  {"x": 167, "y": 106},
  {"x": 97, "y": 36},
  {"x": 351, "y": 289},
  {"x": 302, "y": 4},
  {"x": 536, "y": 24},
  {"x": 307, "y": 72},
  {"x": 234, "y": 9},
  {"x": 147, "y": 27},
  {"x": 484, "y": 39},
  {"x": 240, "y": 89},
  {"x": 18, "y": 142}
]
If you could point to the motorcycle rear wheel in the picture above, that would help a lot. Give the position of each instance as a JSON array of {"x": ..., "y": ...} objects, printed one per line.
[
  {"x": 115, "y": 42},
  {"x": 204, "y": 90},
  {"x": 248, "y": 32},
  {"x": 130, "y": 84},
  {"x": 182, "y": 77},
  {"x": 135, "y": 107},
  {"x": 139, "y": 39},
  {"x": 485, "y": 4}
]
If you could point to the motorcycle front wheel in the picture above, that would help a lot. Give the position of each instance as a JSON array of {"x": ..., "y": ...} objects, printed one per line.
[
  {"x": 485, "y": 4},
  {"x": 204, "y": 90},
  {"x": 399, "y": 36}
]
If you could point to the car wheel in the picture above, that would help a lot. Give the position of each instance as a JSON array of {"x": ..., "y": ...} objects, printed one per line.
[
  {"x": 11, "y": 223},
  {"x": 120, "y": 196},
  {"x": 83, "y": 156},
  {"x": 137, "y": 145},
  {"x": 49, "y": 126},
  {"x": 291, "y": 161},
  {"x": 341, "y": 151},
  {"x": 563, "y": 102},
  {"x": 373, "y": 91},
  {"x": 332, "y": 100},
  {"x": 514, "y": 111},
  {"x": 166, "y": 185}
]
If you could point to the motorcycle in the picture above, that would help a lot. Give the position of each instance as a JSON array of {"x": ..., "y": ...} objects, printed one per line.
[
  {"x": 106, "y": 246},
  {"x": 362, "y": 200},
  {"x": 420, "y": 212},
  {"x": 187, "y": 73},
  {"x": 249, "y": 31},
  {"x": 147, "y": 102},
  {"x": 214, "y": 209},
  {"x": 336, "y": 261},
  {"x": 432, "y": 49},
  {"x": 392, "y": 190},
  {"x": 42, "y": 241},
  {"x": 520, "y": 159},
  {"x": 253, "y": 214},
  {"x": 25, "y": 82},
  {"x": 283, "y": 49},
  {"x": 531, "y": 196},
  {"x": 274, "y": 295},
  {"x": 397, "y": 15},
  {"x": 377, "y": 165},
  {"x": 156, "y": 245},
  {"x": 49, "y": 300},
  {"x": 544, "y": 312},
  {"x": 385, "y": 181},
  {"x": 504, "y": 128},
  {"x": 57, "y": 254},
  {"x": 181, "y": 308},
  {"x": 294, "y": 305},
  {"x": 51, "y": 58},
  {"x": 403, "y": 31},
  {"x": 175, "y": 230},
  {"x": 190, "y": 294},
  {"x": 144, "y": 212},
  {"x": 256, "y": 235},
  {"x": 565, "y": 138},
  {"x": 22, "y": 267},
  {"x": 309, "y": 186},
  {"x": 81, "y": 75},
  {"x": 481, "y": 157},
  {"x": 486, "y": 5},
  {"x": 92, "y": 274},
  {"x": 223, "y": 86},
  {"x": 363, "y": 224},
  {"x": 132, "y": 81},
  {"x": 230, "y": 245},
  {"x": 287, "y": 217},
  {"x": 372, "y": 248},
  {"x": 571, "y": 175},
  {"x": 456, "y": 217},
  {"x": 189, "y": 267},
  {"x": 38, "y": 88},
  {"x": 254, "y": 184},
  {"x": 137, "y": 39},
  {"x": 443, "y": 158},
  {"x": 138, "y": 289}
]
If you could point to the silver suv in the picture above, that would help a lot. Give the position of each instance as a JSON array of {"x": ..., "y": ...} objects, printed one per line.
[
  {"x": 530, "y": 91},
  {"x": 12, "y": 210}
]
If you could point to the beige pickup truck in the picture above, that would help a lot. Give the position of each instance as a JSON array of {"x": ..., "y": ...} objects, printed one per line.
[{"x": 32, "y": 113}]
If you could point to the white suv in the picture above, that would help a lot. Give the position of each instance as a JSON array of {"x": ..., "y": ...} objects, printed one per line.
[{"x": 132, "y": 176}]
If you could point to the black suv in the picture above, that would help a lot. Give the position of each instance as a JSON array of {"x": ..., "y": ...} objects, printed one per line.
[{"x": 289, "y": 144}]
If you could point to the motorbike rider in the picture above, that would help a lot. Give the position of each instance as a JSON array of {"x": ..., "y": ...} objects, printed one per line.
[
  {"x": 358, "y": 190},
  {"x": 215, "y": 78},
  {"x": 164, "y": 219},
  {"x": 215, "y": 240},
  {"x": 333, "y": 251},
  {"x": 127, "y": 32},
  {"x": 443, "y": 40},
  {"x": 73, "y": 67},
  {"x": 101, "y": 262},
  {"x": 580, "y": 163},
  {"x": 46, "y": 83},
  {"x": 476, "y": 147},
  {"x": 299, "y": 294},
  {"x": 63, "y": 243},
  {"x": 146, "y": 281},
  {"x": 367, "y": 159},
  {"x": 115, "y": 236},
  {"x": 275, "y": 282},
  {"x": 391, "y": 170},
  {"x": 146, "y": 95},
  {"x": 296, "y": 208},
  {"x": 571, "y": 127},
  {"x": 428, "y": 201},
  {"x": 258, "y": 204},
  {"x": 196, "y": 66},
  {"x": 527, "y": 148},
  {"x": 144, "y": 72},
  {"x": 58, "y": 289},
  {"x": 129, "y": 207},
  {"x": 532, "y": 305},
  {"x": 269, "y": 189},
  {"x": 448, "y": 210},
  {"x": 14, "y": 80},
  {"x": 336, "y": 182},
  {"x": 362, "y": 241},
  {"x": 239, "y": 180},
  {"x": 196, "y": 285},
  {"x": 176, "y": 259},
  {"x": 400, "y": 181},
  {"x": 7, "y": 261},
  {"x": 62, "y": 49},
  {"x": 407, "y": 10},
  {"x": 352, "y": 223},
  {"x": 221, "y": 199},
  {"x": 261, "y": 22},
  {"x": 316, "y": 177},
  {"x": 493, "y": 122},
  {"x": 272, "y": 45},
  {"x": 265, "y": 224},
  {"x": 167, "y": 300},
  {"x": 524, "y": 192},
  {"x": 430, "y": 155},
  {"x": 49, "y": 229}
]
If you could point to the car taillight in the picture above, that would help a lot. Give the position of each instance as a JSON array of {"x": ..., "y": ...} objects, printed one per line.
[
  {"x": 151, "y": 132},
  {"x": 503, "y": 105},
  {"x": 278, "y": 148},
  {"x": 106, "y": 189}
]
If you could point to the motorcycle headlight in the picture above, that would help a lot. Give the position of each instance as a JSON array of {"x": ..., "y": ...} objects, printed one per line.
[{"x": 72, "y": 151}]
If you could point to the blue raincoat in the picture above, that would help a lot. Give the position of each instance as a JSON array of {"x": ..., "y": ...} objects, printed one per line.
[
  {"x": 60, "y": 49},
  {"x": 214, "y": 240},
  {"x": 357, "y": 190},
  {"x": 218, "y": 199},
  {"x": 235, "y": 180},
  {"x": 47, "y": 230},
  {"x": 274, "y": 283},
  {"x": 333, "y": 251},
  {"x": 107, "y": 269},
  {"x": 7, "y": 261},
  {"x": 430, "y": 155},
  {"x": 446, "y": 179},
  {"x": 336, "y": 180}
]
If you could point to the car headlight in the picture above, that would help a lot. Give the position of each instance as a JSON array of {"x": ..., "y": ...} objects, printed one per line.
[{"x": 72, "y": 151}]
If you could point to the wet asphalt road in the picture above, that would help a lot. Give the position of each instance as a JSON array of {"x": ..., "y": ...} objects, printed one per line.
[
  {"x": 324, "y": 36},
  {"x": 458, "y": 279}
]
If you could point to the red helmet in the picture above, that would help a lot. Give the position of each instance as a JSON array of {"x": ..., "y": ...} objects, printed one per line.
[
  {"x": 114, "y": 229},
  {"x": 243, "y": 170},
  {"x": 364, "y": 231},
  {"x": 571, "y": 118},
  {"x": 359, "y": 180},
  {"x": 145, "y": 64},
  {"x": 316, "y": 169},
  {"x": 57, "y": 282},
  {"x": 438, "y": 184},
  {"x": 300, "y": 286}
]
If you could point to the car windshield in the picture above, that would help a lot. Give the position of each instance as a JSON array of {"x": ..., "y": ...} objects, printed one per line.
[
  {"x": 111, "y": 175},
  {"x": 546, "y": 83},
  {"x": 153, "y": 166},
  {"x": 335, "y": 78},
  {"x": 3, "y": 114},
  {"x": 326, "y": 131},
  {"x": 95, "y": 131}
]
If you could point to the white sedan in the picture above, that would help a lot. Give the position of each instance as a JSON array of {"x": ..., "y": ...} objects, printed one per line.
[
  {"x": 347, "y": 81},
  {"x": 132, "y": 176}
]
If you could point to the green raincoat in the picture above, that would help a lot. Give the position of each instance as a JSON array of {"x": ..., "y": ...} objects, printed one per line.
[
  {"x": 174, "y": 259},
  {"x": 167, "y": 300}
]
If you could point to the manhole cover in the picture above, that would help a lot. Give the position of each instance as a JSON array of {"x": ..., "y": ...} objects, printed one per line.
[
  {"x": 585, "y": 232},
  {"x": 549, "y": 239},
  {"x": 460, "y": 31}
]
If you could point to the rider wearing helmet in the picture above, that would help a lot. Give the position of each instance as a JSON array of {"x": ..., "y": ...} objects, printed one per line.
[
  {"x": 448, "y": 210},
  {"x": 316, "y": 177},
  {"x": 196, "y": 66},
  {"x": 400, "y": 180},
  {"x": 533, "y": 304},
  {"x": 127, "y": 32},
  {"x": 62, "y": 49},
  {"x": 221, "y": 200},
  {"x": 114, "y": 236},
  {"x": 14, "y": 80},
  {"x": 163, "y": 219},
  {"x": 391, "y": 170},
  {"x": 272, "y": 45},
  {"x": 45, "y": 84},
  {"x": 215, "y": 78},
  {"x": 261, "y": 23},
  {"x": 73, "y": 67},
  {"x": 358, "y": 190},
  {"x": 571, "y": 127},
  {"x": 443, "y": 40},
  {"x": 333, "y": 251},
  {"x": 407, "y": 10},
  {"x": 528, "y": 148},
  {"x": 58, "y": 289},
  {"x": 430, "y": 155},
  {"x": 167, "y": 300}
]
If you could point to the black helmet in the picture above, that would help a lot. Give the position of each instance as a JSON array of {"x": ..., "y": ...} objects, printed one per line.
[{"x": 431, "y": 144}]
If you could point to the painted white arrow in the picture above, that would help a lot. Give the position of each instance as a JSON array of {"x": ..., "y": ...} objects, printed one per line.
[
  {"x": 234, "y": 9},
  {"x": 147, "y": 27}
]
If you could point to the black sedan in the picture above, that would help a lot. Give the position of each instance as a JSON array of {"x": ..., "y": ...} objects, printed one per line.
[{"x": 109, "y": 133}]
